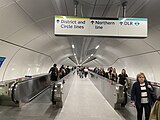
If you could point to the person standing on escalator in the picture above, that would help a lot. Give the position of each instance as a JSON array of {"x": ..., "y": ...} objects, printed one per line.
[
  {"x": 122, "y": 79},
  {"x": 85, "y": 72},
  {"x": 54, "y": 77},
  {"x": 54, "y": 72},
  {"x": 141, "y": 96}
]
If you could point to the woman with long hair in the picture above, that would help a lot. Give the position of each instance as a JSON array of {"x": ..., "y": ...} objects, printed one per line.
[{"x": 122, "y": 79}]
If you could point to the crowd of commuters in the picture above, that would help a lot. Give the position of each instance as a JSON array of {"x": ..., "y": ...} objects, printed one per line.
[
  {"x": 55, "y": 75},
  {"x": 58, "y": 74},
  {"x": 82, "y": 71},
  {"x": 142, "y": 92},
  {"x": 112, "y": 75}
]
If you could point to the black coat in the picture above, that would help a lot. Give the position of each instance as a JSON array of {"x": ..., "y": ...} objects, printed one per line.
[{"x": 136, "y": 93}]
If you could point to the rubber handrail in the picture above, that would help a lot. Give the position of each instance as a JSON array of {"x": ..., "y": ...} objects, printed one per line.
[
  {"x": 13, "y": 93},
  {"x": 153, "y": 83}
]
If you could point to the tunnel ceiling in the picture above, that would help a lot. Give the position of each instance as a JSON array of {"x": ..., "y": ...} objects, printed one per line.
[{"x": 33, "y": 28}]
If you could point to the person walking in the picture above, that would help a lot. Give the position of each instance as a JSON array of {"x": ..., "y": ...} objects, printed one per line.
[{"x": 141, "y": 97}]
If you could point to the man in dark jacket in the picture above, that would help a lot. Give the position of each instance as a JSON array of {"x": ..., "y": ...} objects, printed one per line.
[
  {"x": 54, "y": 72},
  {"x": 54, "y": 77},
  {"x": 141, "y": 97}
]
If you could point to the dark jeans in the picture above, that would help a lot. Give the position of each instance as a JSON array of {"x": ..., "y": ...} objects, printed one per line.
[
  {"x": 53, "y": 93},
  {"x": 85, "y": 74},
  {"x": 147, "y": 109}
]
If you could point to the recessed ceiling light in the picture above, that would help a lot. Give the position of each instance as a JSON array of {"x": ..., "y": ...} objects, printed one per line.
[
  {"x": 73, "y": 46},
  {"x": 97, "y": 47}
]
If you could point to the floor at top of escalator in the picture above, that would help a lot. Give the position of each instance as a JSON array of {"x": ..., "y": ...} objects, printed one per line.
[{"x": 40, "y": 108}]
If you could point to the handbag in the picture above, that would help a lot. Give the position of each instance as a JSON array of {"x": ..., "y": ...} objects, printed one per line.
[
  {"x": 153, "y": 96},
  {"x": 152, "y": 93}
]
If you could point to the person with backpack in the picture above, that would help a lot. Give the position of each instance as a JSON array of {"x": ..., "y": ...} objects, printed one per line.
[
  {"x": 54, "y": 77},
  {"x": 54, "y": 73},
  {"x": 62, "y": 72}
]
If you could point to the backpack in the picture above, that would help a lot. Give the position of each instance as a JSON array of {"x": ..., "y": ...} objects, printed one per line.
[{"x": 54, "y": 72}]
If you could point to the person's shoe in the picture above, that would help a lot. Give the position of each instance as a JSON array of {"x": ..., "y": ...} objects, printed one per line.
[
  {"x": 54, "y": 102},
  {"x": 122, "y": 105}
]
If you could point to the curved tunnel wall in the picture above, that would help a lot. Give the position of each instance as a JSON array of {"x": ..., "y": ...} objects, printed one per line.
[
  {"x": 20, "y": 24},
  {"x": 135, "y": 56},
  {"x": 28, "y": 43},
  {"x": 20, "y": 62}
]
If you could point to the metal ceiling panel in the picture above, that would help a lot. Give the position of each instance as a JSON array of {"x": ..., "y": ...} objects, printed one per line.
[
  {"x": 98, "y": 11},
  {"x": 87, "y": 10},
  {"x": 135, "y": 7},
  {"x": 89, "y": 60},
  {"x": 91, "y": 2},
  {"x": 70, "y": 7},
  {"x": 89, "y": 52},
  {"x": 61, "y": 7}
]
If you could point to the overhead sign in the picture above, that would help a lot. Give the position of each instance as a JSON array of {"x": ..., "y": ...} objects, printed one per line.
[{"x": 109, "y": 27}]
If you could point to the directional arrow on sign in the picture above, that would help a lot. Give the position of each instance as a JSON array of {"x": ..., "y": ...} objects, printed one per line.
[
  {"x": 58, "y": 21},
  {"x": 92, "y": 21}
]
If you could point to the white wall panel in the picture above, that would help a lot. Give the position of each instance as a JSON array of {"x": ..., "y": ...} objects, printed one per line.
[
  {"x": 12, "y": 19},
  {"x": 153, "y": 38},
  {"x": 4, "y": 3},
  {"x": 132, "y": 47},
  {"x": 149, "y": 64},
  {"x": 26, "y": 63},
  {"x": 42, "y": 43},
  {"x": 58, "y": 57},
  {"x": 6, "y": 50},
  {"x": 47, "y": 64},
  {"x": 38, "y": 9},
  {"x": 47, "y": 25},
  {"x": 26, "y": 34}
]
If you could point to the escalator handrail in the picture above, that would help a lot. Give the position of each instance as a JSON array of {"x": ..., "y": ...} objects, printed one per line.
[
  {"x": 15, "y": 86},
  {"x": 26, "y": 80},
  {"x": 13, "y": 93}
]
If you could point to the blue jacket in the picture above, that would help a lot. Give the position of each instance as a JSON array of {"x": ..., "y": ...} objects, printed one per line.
[{"x": 136, "y": 93}]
